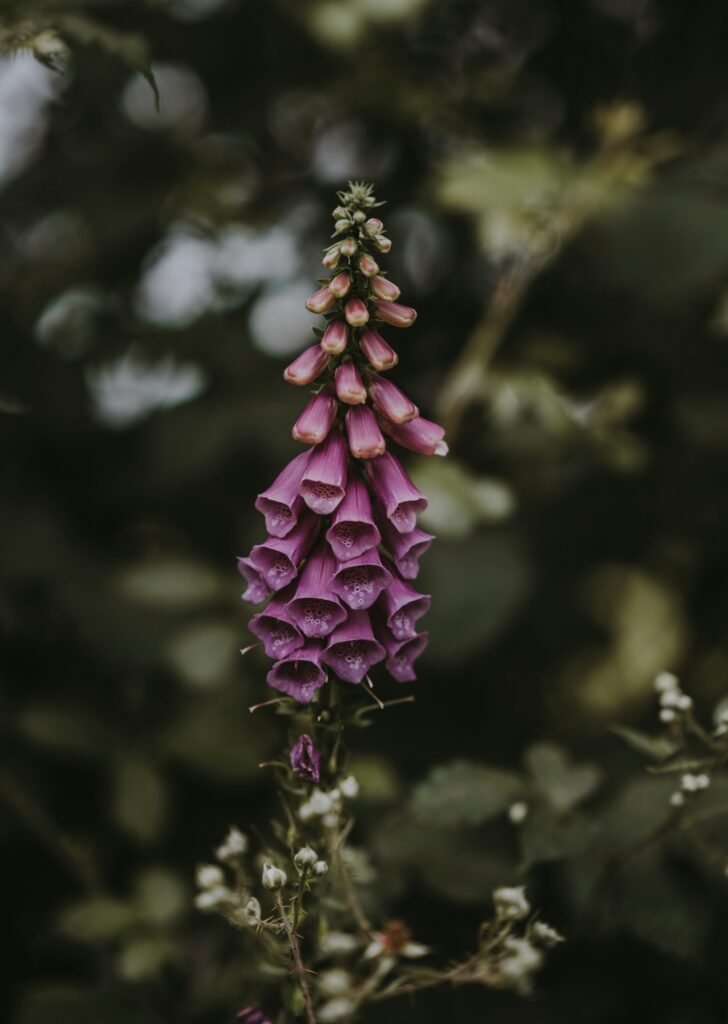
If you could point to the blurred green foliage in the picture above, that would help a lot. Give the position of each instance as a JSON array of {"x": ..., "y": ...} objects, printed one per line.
[{"x": 557, "y": 180}]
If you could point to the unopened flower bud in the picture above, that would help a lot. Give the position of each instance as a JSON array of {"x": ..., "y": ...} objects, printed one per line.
[
  {"x": 394, "y": 313},
  {"x": 349, "y": 247},
  {"x": 359, "y": 217},
  {"x": 667, "y": 715},
  {"x": 511, "y": 903},
  {"x": 340, "y": 285},
  {"x": 684, "y": 703},
  {"x": 677, "y": 799},
  {"x": 332, "y": 257},
  {"x": 334, "y": 982},
  {"x": 320, "y": 301},
  {"x": 342, "y": 225},
  {"x": 252, "y": 912},
  {"x": 356, "y": 313},
  {"x": 384, "y": 289},
  {"x": 209, "y": 875},
  {"x": 546, "y": 935},
  {"x": 518, "y": 812},
  {"x": 339, "y": 212},
  {"x": 373, "y": 227},
  {"x": 316, "y": 420},
  {"x": 666, "y": 681},
  {"x": 319, "y": 802},
  {"x": 234, "y": 846},
  {"x": 320, "y": 868},
  {"x": 305, "y": 858},
  {"x": 383, "y": 243},
  {"x": 335, "y": 338},
  {"x": 306, "y": 367},
  {"x": 377, "y": 351},
  {"x": 349, "y": 385},
  {"x": 368, "y": 265},
  {"x": 211, "y": 899},
  {"x": 392, "y": 403},
  {"x": 349, "y": 787},
  {"x": 273, "y": 877}
]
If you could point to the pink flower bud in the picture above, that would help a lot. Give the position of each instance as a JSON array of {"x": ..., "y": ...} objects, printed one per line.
[
  {"x": 368, "y": 265},
  {"x": 307, "y": 367},
  {"x": 340, "y": 285},
  {"x": 316, "y": 420},
  {"x": 366, "y": 440},
  {"x": 335, "y": 338},
  {"x": 320, "y": 301},
  {"x": 390, "y": 401},
  {"x": 356, "y": 313},
  {"x": 384, "y": 289},
  {"x": 419, "y": 435},
  {"x": 349, "y": 386},
  {"x": 332, "y": 257},
  {"x": 379, "y": 354},
  {"x": 395, "y": 314},
  {"x": 373, "y": 227},
  {"x": 348, "y": 247},
  {"x": 383, "y": 243}
]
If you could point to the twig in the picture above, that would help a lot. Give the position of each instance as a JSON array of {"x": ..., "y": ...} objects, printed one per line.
[{"x": 300, "y": 970}]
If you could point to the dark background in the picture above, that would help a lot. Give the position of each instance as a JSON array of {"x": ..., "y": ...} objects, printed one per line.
[{"x": 556, "y": 177}]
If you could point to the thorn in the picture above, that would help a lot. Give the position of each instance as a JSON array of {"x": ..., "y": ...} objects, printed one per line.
[
  {"x": 250, "y": 647},
  {"x": 370, "y": 693},
  {"x": 266, "y": 704}
]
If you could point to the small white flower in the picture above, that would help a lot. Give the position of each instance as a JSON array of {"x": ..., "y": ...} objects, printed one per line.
[
  {"x": 305, "y": 858},
  {"x": 330, "y": 820},
  {"x": 233, "y": 846},
  {"x": 209, "y": 876},
  {"x": 336, "y": 1010},
  {"x": 252, "y": 912},
  {"x": 693, "y": 783},
  {"x": 671, "y": 699},
  {"x": 210, "y": 899},
  {"x": 320, "y": 802},
  {"x": 305, "y": 811},
  {"x": 338, "y": 943},
  {"x": 684, "y": 703},
  {"x": 666, "y": 681},
  {"x": 518, "y": 812},
  {"x": 521, "y": 961},
  {"x": 320, "y": 868},
  {"x": 546, "y": 935},
  {"x": 335, "y": 982},
  {"x": 667, "y": 715},
  {"x": 677, "y": 799},
  {"x": 349, "y": 787},
  {"x": 273, "y": 877},
  {"x": 511, "y": 903}
]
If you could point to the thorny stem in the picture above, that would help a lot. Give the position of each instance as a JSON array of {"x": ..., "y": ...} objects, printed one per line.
[
  {"x": 300, "y": 970},
  {"x": 352, "y": 900}
]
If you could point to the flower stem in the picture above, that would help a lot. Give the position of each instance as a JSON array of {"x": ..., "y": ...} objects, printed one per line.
[{"x": 300, "y": 970}]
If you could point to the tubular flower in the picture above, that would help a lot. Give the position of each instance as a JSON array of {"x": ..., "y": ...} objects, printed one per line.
[{"x": 342, "y": 516}]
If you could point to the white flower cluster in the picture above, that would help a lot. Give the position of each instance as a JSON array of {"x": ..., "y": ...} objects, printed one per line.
[
  {"x": 327, "y": 806},
  {"x": 215, "y": 895},
  {"x": 673, "y": 702},
  {"x": 515, "y": 959},
  {"x": 689, "y": 785}
]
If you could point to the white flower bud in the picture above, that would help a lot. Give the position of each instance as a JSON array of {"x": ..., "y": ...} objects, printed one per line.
[
  {"x": 335, "y": 982},
  {"x": 251, "y": 912},
  {"x": 349, "y": 246},
  {"x": 546, "y": 935},
  {"x": 670, "y": 699},
  {"x": 320, "y": 868},
  {"x": 517, "y": 812},
  {"x": 667, "y": 715},
  {"x": 273, "y": 877},
  {"x": 666, "y": 681},
  {"x": 305, "y": 858},
  {"x": 209, "y": 875},
  {"x": 330, "y": 820},
  {"x": 319, "y": 802},
  {"x": 336, "y": 1010},
  {"x": 511, "y": 902},
  {"x": 349, "y": 787},
  {"x": 684, "y": 703},
  {"x": 342, "y": 225},
  {"x": 305, "y": 811},
  {"x": 233, "y": 846},
  {"x": 338, "y": 943},
  {"x": 211, "y": 899},
  {"x": 677, "y": 799}
]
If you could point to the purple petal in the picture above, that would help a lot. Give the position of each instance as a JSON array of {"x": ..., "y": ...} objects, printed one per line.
[
  {"x": 419, "y": 435},
  {"x": 315, "y": 608},
  {"x": 401, "y": 655},
  {"x": 352, "y": 531},
  {"x": 366, "y": 440},
  {"x": 403, "y": 606},
  {"x": 405, "y": 548},
  {"x": 401, "y": 500},
  {"x": 274, "y": 627},
  {"x": 352, "y": 649},
  {"x": 306, "y": 759},
  {"x": 322, "y": 484},
  {"x": 299, "y": 675},
  {"x": 277, "y": 559},
  {"x": 281, "y": 503},
  {"x": 257, "y": 590},
  {"x": 361, "y": 580}
]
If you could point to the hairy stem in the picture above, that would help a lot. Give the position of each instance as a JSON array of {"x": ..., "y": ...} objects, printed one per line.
[{"x": 300, "y": 970}]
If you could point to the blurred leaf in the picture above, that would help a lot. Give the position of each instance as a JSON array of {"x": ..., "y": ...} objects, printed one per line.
[
  {"x": 204, "y": 655},
  {"x": 458, "y": 500},
  {"x": 144, "y": 957},
  {"x": 65, "y": 1004},
  {"x": 464, "y": 793},
  {"x": 65, "y": 730},
  {"x": 657, "y": 747},
  {"x": 172, "y": 584},
  {"x": 96, "y": 920},
  {"x": 139, "y": 799},
  {"x": 217, "y": 744},
  {"x": 640, "y": 808},
  {"x": 480, "y": 583},
  {"x": 545, "y": 836},
  {"x": 563, "y": 783},
  {"x": 377, "y": 777},
  {"x": 160, "y": 896}
]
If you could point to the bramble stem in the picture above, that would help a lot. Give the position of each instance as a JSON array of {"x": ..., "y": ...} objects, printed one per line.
[{"x": 300, "y": 970}]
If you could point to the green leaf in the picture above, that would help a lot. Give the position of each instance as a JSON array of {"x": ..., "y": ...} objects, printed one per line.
[
  {"x": 160, "y": 896},
  {"x": 563, "y": 783},
  {"x": 464, "y": 793},
  {"x": 657, "y": 747},
  {"x": 65, "y": 730},
  {"x": 458, "y": 501},
  {"x": 97, "y": 920},
  {"x": 545, "y": 836},
  {"x": 140, "y": 798},
  {"x": 144, "y": 957}
]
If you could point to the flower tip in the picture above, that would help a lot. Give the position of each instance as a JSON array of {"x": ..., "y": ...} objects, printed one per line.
[{"x": 441, "y": 448}]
